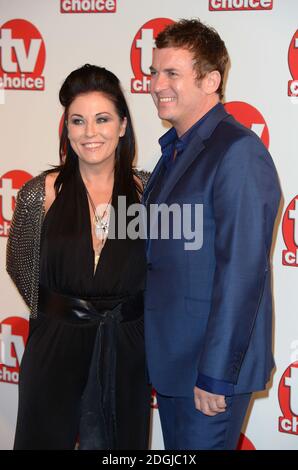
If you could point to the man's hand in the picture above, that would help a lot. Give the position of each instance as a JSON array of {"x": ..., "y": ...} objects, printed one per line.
[{"x": 209, "y": 403}]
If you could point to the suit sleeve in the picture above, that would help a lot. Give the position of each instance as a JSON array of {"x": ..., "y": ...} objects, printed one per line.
[{"x": 246, "y": 198}]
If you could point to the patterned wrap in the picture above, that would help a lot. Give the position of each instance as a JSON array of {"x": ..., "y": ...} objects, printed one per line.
[{"x": 23, "y": 246}]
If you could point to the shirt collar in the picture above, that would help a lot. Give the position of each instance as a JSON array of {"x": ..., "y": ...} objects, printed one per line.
[
  {"x": 171, "y": 139},
  {"x": 186, "y": 137},
  {"x": 168, "y": 139},
  {"x": 167, "y": 143}
]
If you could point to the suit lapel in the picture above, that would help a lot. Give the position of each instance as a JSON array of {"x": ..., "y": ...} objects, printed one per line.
[
  {"x": 183, "y": 162},
  {"x": 192, "y": 152}
]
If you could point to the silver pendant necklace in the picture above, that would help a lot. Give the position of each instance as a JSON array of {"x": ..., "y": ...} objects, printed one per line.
[{"x": 100, "y": 222}]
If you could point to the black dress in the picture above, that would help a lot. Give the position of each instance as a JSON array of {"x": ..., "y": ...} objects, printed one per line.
[{"x": 55, "y": 366}]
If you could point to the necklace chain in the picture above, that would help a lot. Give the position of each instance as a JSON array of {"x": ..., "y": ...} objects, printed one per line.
[{"x": 101, "y": 225}]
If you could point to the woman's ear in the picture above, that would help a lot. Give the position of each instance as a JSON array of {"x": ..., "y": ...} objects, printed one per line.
[{"x": 123, "y": 127}]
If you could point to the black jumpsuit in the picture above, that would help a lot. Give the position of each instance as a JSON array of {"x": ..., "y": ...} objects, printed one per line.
[{"x": 56, "y": 362}]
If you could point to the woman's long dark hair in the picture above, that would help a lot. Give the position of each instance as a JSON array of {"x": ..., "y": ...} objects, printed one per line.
[{"x": 87, "y": 79}]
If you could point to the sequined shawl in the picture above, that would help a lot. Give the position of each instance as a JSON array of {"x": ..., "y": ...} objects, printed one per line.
[{"x": 23, "y": 247}]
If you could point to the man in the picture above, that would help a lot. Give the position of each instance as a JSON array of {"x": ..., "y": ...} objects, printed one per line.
[{"x": 208, "y": 311}]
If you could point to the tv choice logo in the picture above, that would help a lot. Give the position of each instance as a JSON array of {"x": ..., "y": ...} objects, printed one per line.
[
  {"x": 294, "y": 349},
  {"x": 141, "y": 53},
  {"x": 293, "y": 66},
  {"x": 153, "y": 403},
  {"x": 88, "y": 6},
  {"x": 244, "y": 443},
  {"x": 13, "y": 337},
  {"x": 61, "y": 122},
  {"x": 250, "y": 117},
  {"x": 290, "y": 234},
  {"x": 22, "y": 56},
  {"x": 288, "y": 400},
  {"x": 240, "y": 5},
  {"x": 10, "y": 183},
  {"x": 2, "y": 93}
]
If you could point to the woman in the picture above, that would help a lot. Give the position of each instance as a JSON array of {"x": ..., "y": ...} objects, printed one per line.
[{"x": 83, "y": 374}]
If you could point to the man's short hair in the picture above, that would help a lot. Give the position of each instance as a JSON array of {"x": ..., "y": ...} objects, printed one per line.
[{"x": 208, "y": 49}]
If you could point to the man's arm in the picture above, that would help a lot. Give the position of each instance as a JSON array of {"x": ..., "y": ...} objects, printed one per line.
[{"x": 246, "y": 198}]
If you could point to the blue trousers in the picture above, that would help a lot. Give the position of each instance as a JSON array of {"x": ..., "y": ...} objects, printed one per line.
[{"x": 185, "y": 428}]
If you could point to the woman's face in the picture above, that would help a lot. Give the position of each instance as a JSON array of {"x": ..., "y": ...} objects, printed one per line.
[{"x": 94, "y": 129}]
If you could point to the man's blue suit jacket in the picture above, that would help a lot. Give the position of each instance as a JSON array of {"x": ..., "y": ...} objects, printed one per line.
[{"x": 209, "y": 312}]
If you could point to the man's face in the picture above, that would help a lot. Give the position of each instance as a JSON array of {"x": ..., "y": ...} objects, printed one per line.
[{"x": 176, "y": 92}]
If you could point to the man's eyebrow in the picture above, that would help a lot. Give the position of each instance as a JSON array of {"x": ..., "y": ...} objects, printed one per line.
[{"x": 170, "y": 69}]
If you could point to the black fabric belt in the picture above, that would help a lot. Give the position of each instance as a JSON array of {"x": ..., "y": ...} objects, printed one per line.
[{"x": 98, "y": 403}]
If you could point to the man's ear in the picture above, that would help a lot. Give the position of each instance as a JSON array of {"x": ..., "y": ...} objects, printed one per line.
[{"x": 211, "y": 82}]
